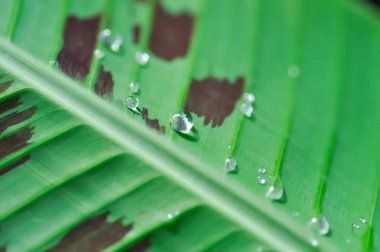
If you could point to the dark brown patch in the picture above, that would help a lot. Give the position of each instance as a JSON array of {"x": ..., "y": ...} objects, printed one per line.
[
  {"x": 136, "y": 34},
  {"x": 140, "y": 246},
  {"x": 92, "y": 235},
  {"x": 14, "y": 165},
  {"x": 3, "y": 249},
  {"x": 15, "y": 142},
  {"x": 213, "y": 99},
  {"x": 4, "y": 86},
  {"x": 153, "y": 123},
  {"x": 79, "y": 40},
  {"x": 9, "y": 104},
  {"x": 16, "y": 118},
  {"x": 104, "y": 83},
  {"x": 170, "y": 37}
]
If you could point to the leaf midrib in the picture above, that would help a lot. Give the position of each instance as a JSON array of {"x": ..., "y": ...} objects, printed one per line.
[{"x": 250, "y": 211}]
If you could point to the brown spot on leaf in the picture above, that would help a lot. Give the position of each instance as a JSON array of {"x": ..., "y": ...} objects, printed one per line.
[
  {"x": 9, "y": 104},
  {"x": 140, "y": 246},
  {"x": 136, "y": 34},
  {"x": 153, "y": 123},
  {"x": 213, "y": 99},
  {"x": 92, "y": 235},
  {"x": 170, "y": 37},
  {"x": 4, "y": 86},
  {"x": 14, "y": 165},
  {"x": 79, "y": 40},
  {"x": 16, "y": 118},
  {"x": 3, "y": 249},
  {"x": 15, "y": 142},
  {"x": 104, "y": 83}
]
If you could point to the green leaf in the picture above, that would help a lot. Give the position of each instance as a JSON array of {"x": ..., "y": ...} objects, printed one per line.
[{"x": 70, "y": 160}]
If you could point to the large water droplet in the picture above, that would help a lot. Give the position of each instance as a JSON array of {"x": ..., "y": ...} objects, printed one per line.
[
  {"x": 134, "y": 87},
  {"x": 261, "y": 170},
  {"x": 230, "y": 164},
  {"x": 99, "y": 54},
  {"x": 319, "y": 225},
  {"x": 249, "y": 97},
  {"x": 276, "y": 190},
  {"x": 132, "y": 102},
  {"x": 182, "y": 121},
  {"x": 261, "y": 180},
  {"x": 142, "y": 58},
  {"x": 246, "y": 109}
]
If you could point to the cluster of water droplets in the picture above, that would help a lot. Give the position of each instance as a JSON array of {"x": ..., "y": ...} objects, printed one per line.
[
  {"x": 247, "y": 106},
  {"x": 317, "y": 226},
  {"x": 359, "y": 227},
  {"x": 114, "y": 43}
]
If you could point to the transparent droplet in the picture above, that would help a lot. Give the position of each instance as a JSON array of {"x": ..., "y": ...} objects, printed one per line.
[
  {"x": 230, "y": 164},
  {"x": 142, "y": 58},
  {"x": 362, "y": 220},
  {"x": 358, "y": 229},
  {"x": 249, "y": 97},
  {"x": 52, "y": 62},
  {"x": 134, "y": 87},
  {"x": 99, "y": 54},
  {"x": 319, "y": 225},
  {"x": 294, "y": 71},
  {"x": 132, "y": 102},
  {"x": 116, "y": 43},
  {"x": 172, "y": 215},
  {"x": 276, "y": 190},
  {"x": 355, "y": 226},
  {"x": 261, "y": 170},
  {"x": 182, "y": 121},
  {"x": 313, "y": 241},
  {"x": 261, "y": 180},
  {"x": 247, "y": 109},
  {"x": 105, "y": 37},
  {"x": 348, "y": 241}
]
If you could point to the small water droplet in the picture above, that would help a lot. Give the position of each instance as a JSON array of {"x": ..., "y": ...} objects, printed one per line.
[
  {"x": 313, "y": 241},
  {"x": 182, "y": 121},
  {"x": 132, "y": 102},
  {"x": 249, "y": 97},
  {"x": 355, "y": 226},
  {"x": 276, "y": 190},
  {"x": 247, "y": 109},
  {"x": 362, "y": 220},
  {"x": 260, "y": 249},
  {"x": 348, "y": 241},
  {"x": 51, "y": 62},
  {"x": 172, "y": 215},
  {"x": 116, "y": 44},
  {"x": 261, "y": 180},
  {"x": 105, "y": 37},
  {"x": 134, "y": 87},
  {"x": 99, "y": 54},
  {"x": 294, "y": 71},
  {"x": 261, "y": 170},
  {"x": 230, "y": 164},
  {"x": 319, "y": 225},
  {"x": 142, "y": 58}
]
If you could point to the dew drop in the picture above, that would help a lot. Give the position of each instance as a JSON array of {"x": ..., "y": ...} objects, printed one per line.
[
  {"x": 105, "y": 37},
  {"x": 249, "y": 97},
  {"x": 52, "y": 62},
  {"x": 132, "y": 102},
  {"x": 99, "y": 54},
  {"x": 116, "y": 44},
  {"x": 313, "y": 241},
  {"x": 172, "y": 215},
  {"x": 362, "y": 220},
  {"x": 230, "y": 164},
  {"x": 134, "y": 87},
  {"x": 276, "y": 190},
  {"x": 319, "y": 225},
  {"x": 261, "y": 180},
  {"x": 294, "y": 71},
  {"x": 261, "y": 170},
  {"x": 348, "y": 241},
  {"x": 246, "y": 109},
  {"x": 260, "y": 249},
  {"x": 142, "y": 58},
  {"x": 182, "y": 121}
]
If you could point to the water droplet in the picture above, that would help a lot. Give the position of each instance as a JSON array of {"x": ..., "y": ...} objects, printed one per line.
[
  {"x": 261, "y": 180},
  {"x": 355, "y": 226},
  {"x": 319, "y": 225},
  {"x": 142, "y": 58},
  {"x": 116, "y": 44},
  {"x": 294, "y": 71},
  {"x": 132, "y": 102},
  {"x": 313, "y": 241},
  {"x": 296, "y": 214},
  {"x": 276, "y": 190},
  {"x": 230, "y": 164},
  {"x": 134, "y": 87},
  {"x": 51, "y": 62},
  {"x": 172, "y": 215},
  {"x": 249, "y": 97},
  {"x": 247, "y": 109},
  {"x": 260, "y": 249},
  {"x": 261, "y": 170},
  {"x": 348, "y": 241},
  {"x": 105, "y": 37},
  {"x": 99, "y": 54},
  {"x": 182, "y": 121},
  {"x": 362, "y": 220}
]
